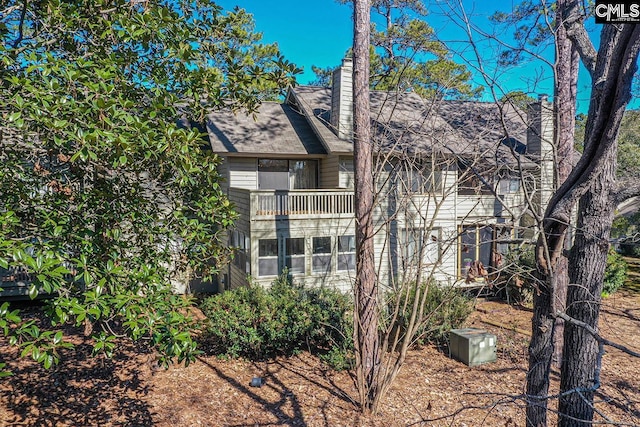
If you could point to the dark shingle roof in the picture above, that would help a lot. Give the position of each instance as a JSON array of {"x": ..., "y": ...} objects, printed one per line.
[
  {"x": 315, "y": 104},
  {"x": 406, "y": 122},
  {"x": 275, "y": 129},
  {"x": 403, "y": 122}
]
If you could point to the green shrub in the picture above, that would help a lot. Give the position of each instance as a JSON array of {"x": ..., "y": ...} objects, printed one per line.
[
  {"x": 516, "y": 283},
  {"x": 445, "y": 308},
  {"x": 615, "y": 273},
  {"x": 257, "y": 323}
]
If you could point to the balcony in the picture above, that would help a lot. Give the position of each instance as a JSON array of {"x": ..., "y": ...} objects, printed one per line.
[{"x": 270, "y": 204}]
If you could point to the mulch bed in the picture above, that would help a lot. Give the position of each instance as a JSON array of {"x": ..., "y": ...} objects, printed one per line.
[{"x": 431, "y": 390}]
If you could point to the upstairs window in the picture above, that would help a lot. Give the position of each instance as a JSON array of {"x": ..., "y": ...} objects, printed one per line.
[
  {"x": 470, "y": 181},
  {"x": 282, "y": 174},
  {"x": 419, "y": 177}
]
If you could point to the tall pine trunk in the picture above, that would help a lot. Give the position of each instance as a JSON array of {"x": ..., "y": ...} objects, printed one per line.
[
  {"x": 566, "y": 72},
  {"x": 367, "y": 343}
]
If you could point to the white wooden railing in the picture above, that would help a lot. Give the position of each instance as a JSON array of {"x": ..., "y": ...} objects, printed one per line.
[{"x": 272, "y": 203}]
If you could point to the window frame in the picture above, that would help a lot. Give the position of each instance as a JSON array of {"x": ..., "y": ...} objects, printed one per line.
[
  {"x": 346, "y": 253},
  {"x": 269, "y": 257}
]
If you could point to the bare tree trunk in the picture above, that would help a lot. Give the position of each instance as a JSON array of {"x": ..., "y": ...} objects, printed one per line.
[
  {"x": 567, "y": 62},
  {"x": 612, "y": 68},
  {"x": 612, "y": 75},
  {"x": 587, "y": 265},
  {"x": 540, "y": 351},
  {"x": 547, "y": 331},
  {"x": 367, "y": 342},
  {"x": 592, "y": 181}
]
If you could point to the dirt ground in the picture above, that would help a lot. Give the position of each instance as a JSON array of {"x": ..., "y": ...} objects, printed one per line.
[{"x": 432, "y": 389}]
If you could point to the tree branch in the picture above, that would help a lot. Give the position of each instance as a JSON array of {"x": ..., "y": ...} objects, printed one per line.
[
  {"x": 597, "y": 336},
  {"x": 626, "y": 191},
  {"x": 23, "y": 14},
  {"x": 574, "y": 18}
]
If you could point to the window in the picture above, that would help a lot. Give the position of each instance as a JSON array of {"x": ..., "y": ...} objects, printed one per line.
[
  {"x": 346, "y": 173},
  {"x": 242, "y": 245},
  {"x": 268, "y": 257},
  {"x": 294, "y": 255},
  {"x": 282, "y": 174},
  {"x": 273, "y": 174},
  {"x": 321, "y": 258},
  {"x": 303, "y": 174},
  {"x": 509, "y": 186},
  {"x": 346, "y": 253},
  {"x": 470, "y": 183},
  {"x": 418, "y": 242},
  {"x": 476, "y": 244},
  {"x": 419, "y": 177}
]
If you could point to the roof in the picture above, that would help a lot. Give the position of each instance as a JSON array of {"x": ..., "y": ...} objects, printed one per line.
[
  {"x": 406, "y": 122},
  {"x": 275, "y": 128},
  {"x": 402, "y": 122}
]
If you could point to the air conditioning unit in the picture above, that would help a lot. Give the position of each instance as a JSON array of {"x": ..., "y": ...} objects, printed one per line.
[{"x": 472, "y": 346}]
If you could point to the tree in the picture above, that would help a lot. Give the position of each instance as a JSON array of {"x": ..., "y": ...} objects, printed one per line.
[
  {"x": 366, "y": 340},
  {"x": 546, "y": 345},
  {"x": 406, "y": 54},
  {"x": 107, "y": 199},
  {"x": 593, "y": 182}
]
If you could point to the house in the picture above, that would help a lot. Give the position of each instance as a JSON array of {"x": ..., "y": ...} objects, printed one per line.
[{"x": 458, "y": 182}]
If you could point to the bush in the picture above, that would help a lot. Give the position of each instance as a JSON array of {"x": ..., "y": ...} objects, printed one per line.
[
  {"x": 520, "y": 279},
  {"x": 615, "y": 273},
  {"x": 516, "y": 282},
  {"x": 445, "y": 308},
  {"x": 285, "y": 319}
]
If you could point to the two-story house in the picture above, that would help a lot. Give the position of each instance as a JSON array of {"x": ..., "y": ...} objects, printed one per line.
[{"x": 456, "y": 180}]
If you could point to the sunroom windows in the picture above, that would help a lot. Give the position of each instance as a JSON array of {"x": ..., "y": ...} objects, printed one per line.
[{"x": 313, "y": 255}]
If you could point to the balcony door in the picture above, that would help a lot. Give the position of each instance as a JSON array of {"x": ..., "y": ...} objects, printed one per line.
[
  {"x": 476, "y": 244},
  {"x": 282, "y": 174}
]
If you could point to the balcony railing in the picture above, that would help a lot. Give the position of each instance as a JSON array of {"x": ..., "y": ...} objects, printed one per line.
[{"x": 274, "y": 203}]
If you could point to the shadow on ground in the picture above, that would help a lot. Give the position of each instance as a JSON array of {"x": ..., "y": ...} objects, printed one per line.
[{"x": 80, "y": 391}]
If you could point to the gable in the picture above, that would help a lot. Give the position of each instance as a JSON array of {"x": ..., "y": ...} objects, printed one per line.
[{"x": 275, "y": 129}]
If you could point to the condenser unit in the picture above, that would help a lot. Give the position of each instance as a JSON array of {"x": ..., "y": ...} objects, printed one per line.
[{"x": 472, "y": 346}]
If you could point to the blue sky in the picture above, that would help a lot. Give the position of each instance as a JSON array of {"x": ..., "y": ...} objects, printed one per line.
[{"x": 319, "y": 32}]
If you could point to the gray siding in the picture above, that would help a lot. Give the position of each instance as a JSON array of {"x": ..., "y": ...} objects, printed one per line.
[
  {"x": 329, "y": 173},
  {"x": 243, "y": 173}
]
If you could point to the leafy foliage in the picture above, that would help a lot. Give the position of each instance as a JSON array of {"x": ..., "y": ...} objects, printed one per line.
[
  {"x": 625, "y": 229},
  {"x": 445, "y": 308},
  {"x": 629, "y": 146},
  {"x": 407, "y": 55},
  {"x": 628, "y": 169},
  {"x": 615, "y": 273},
  {"x": 531, "y": 23},
  {"x": 105, "y": 199},
  {"x": 255, "y": 322}
]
